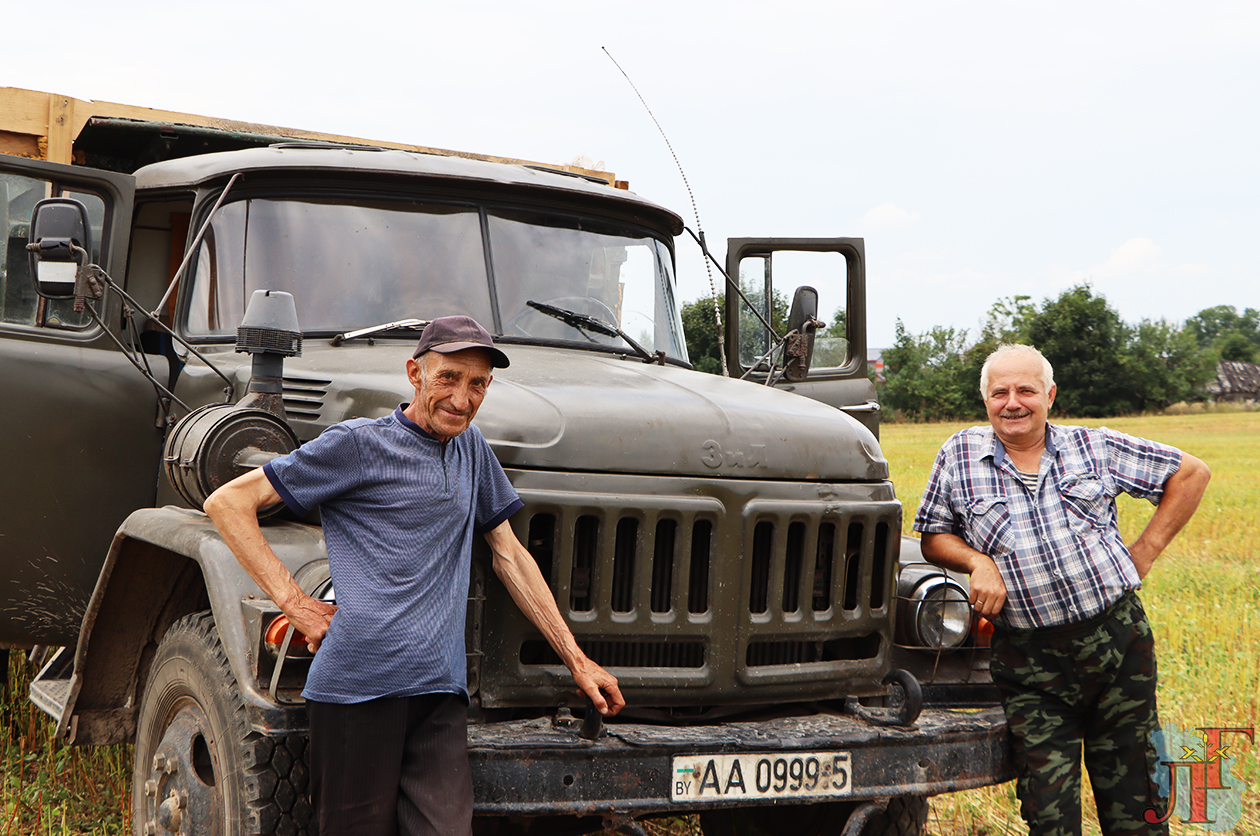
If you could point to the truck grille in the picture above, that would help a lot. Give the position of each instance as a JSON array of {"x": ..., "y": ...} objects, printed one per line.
[
  {"x": 630, "y": 585},
  {"x": 647, "y": 654},
  {"x": 736, "y": 590},
  {"x": 629, "y": 545},
  {"x": 763, "y": 653}
]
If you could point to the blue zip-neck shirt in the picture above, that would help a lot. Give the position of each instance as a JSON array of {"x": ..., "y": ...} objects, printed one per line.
[{"x": 399, "y": 510}]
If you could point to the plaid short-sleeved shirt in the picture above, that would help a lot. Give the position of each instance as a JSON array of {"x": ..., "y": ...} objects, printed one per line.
[{"x": 1057, "y": 546}]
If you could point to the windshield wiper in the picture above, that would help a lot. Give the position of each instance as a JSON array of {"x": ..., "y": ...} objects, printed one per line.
[
  {"x": 584, "y": 322},
  {"x": 376, "y": 329}
]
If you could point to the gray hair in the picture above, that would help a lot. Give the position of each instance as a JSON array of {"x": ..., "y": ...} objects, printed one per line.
[{"x": 1015, "y": 349}]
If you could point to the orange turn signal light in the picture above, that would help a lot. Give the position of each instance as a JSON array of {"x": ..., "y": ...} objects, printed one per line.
[
  {"x": 274, "y": 638},
  {"x": 982, "y": 629}
]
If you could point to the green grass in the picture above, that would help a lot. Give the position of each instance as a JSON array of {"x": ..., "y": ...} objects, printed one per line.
[
  {"x": 1202, "y": 598},
  {"x": 50, "y": 787}
]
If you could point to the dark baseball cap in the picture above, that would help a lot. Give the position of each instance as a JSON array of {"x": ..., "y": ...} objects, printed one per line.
[{"x": 448, "y": 334}]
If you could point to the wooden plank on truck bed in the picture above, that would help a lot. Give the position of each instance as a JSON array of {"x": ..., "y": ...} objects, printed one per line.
[
  {"x": 23, "y": 122},
  {"x": 44, "y": 125}
]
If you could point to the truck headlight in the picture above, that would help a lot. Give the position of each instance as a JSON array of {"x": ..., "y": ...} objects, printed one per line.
[{"x": 934, "y": 612}]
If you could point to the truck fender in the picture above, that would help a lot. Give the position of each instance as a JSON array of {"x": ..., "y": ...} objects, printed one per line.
[{"x": 163, "y": 564}]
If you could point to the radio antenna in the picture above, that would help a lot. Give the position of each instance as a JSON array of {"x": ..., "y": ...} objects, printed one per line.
[{"x": 717, "y": 313}]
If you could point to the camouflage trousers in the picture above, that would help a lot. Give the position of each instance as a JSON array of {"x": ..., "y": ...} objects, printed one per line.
[{"x": 1093, "y": 685}]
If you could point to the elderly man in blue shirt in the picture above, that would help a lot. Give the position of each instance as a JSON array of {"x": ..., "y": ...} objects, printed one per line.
[
  {"x": 401, "y": 498},
  {"x": 1027, "y": 509}
]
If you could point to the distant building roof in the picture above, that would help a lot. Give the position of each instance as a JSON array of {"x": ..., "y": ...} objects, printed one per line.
[{"x": 1236, "y": 382}]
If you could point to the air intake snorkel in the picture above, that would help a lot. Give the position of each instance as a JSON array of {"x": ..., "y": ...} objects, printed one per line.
[
  {"x": 270, "y": 332},
  {"x": 218, "y": 442}
]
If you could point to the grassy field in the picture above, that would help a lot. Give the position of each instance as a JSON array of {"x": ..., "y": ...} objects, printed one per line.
[
  {"x": 1202, "y": 597},
  {"x": 51, "y": 788}
]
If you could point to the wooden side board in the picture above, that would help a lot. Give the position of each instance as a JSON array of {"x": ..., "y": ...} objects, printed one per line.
[{"x": 44, "y": 126}]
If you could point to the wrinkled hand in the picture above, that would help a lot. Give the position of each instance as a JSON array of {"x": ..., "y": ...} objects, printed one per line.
[
  {"x": 311, "y": 617},
  {"x": 595, "y": 683},
  {"x": 988, "y": 591}
]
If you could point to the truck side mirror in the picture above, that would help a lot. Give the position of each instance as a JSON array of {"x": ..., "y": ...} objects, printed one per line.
[
  {"x": 59, "y": 225},
  {"x": 798, "y": 350}
]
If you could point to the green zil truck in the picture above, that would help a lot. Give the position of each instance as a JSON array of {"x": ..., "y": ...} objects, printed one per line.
[{"x": 729, "y": 546}]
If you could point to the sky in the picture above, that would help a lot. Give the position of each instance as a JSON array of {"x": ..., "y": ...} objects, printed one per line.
[{"x": 981, "y": 149}]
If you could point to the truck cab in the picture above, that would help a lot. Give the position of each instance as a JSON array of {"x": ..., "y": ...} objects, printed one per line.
[{"x": 730, "y": 550}]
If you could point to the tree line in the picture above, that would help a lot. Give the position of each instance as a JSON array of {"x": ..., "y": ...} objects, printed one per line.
[{"x": 1103, "y": 366}]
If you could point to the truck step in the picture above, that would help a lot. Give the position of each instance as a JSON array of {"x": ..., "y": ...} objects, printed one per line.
[{"x": 50, "y": 689}]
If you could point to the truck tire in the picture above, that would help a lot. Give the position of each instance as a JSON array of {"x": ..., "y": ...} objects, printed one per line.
[
  {"x": 199, "y": 768},
  {"x": 904, "y": 816}
]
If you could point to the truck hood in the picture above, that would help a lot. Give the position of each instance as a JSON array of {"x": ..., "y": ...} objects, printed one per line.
[{"x": 562, "y": 409}]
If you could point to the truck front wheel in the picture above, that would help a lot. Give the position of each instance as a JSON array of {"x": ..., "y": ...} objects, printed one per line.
[
  {"x": 199, "y": 768},
  {"x": 904, "y": 816}
]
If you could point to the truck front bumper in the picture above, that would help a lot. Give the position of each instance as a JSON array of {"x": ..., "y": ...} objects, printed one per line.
[{"x": 530, "y": 768}]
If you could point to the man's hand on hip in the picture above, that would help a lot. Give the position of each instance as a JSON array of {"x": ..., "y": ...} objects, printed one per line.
[{"x": 1182, "y": 493}]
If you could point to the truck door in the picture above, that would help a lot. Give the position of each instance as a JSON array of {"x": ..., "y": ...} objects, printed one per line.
[
  {"x": 77, "y": 425},
  {"x": 769, "y": 271}
]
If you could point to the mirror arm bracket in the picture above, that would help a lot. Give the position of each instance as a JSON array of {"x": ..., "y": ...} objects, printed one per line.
[{"x": 87, "y": 278}]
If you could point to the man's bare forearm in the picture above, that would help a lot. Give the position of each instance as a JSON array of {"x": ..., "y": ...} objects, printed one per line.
[
  {"x": 234, "y": 510},
  {"x": 951, "y": 552},
  {"x": 1182, "y": 494},
  {"x": 988, "y": 590},
  {"x": 516, "y": 567},
  {"x": 520, "y": 574}
]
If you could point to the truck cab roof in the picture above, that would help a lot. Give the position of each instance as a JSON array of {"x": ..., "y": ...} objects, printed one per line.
[{"x": 314, "y": 159}]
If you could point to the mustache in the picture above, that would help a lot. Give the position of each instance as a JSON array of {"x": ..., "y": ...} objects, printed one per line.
[{"x": 1016, "y": 414}]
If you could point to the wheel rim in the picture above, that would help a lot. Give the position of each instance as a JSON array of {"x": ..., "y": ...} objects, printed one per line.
[{"x": 181, "y": 792}]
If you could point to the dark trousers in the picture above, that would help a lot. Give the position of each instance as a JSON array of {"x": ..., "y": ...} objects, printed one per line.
[
  {"x": 1090, "y": 685},
  {"x": 391, "y": 766}
]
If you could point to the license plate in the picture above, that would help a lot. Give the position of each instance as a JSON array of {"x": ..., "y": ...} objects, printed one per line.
[{"x": 731, "y": 777}]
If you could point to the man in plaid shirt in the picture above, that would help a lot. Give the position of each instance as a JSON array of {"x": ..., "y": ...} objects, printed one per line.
[{"x": 1027, "y": 509}]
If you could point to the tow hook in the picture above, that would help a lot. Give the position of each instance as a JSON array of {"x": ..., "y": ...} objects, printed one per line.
[
  {"x": 564, "y": 719},
  {"x": 903, "y": 713},
  {"x": 857, "y": 820},
  {"x": 620, "y": 824},
  {"x": 590, "y": 727},
  {"x": 592, "y": 723}
]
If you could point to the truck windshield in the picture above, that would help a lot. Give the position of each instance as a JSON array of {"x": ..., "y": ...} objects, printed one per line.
[
  {"x": 354, "y": 263},
  {"x": 620, "y": 276},
  {"x": 348, "y": 264}
]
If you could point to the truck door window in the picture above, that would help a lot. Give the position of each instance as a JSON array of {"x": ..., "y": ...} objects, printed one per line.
[
  {"x": 620, "y": 275},
  {"x": 19, "y": 304},
  {"x": 763, "y": 303},
  {"x": 769, "y": 280},
  {"x": 348, "y": 263}
]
